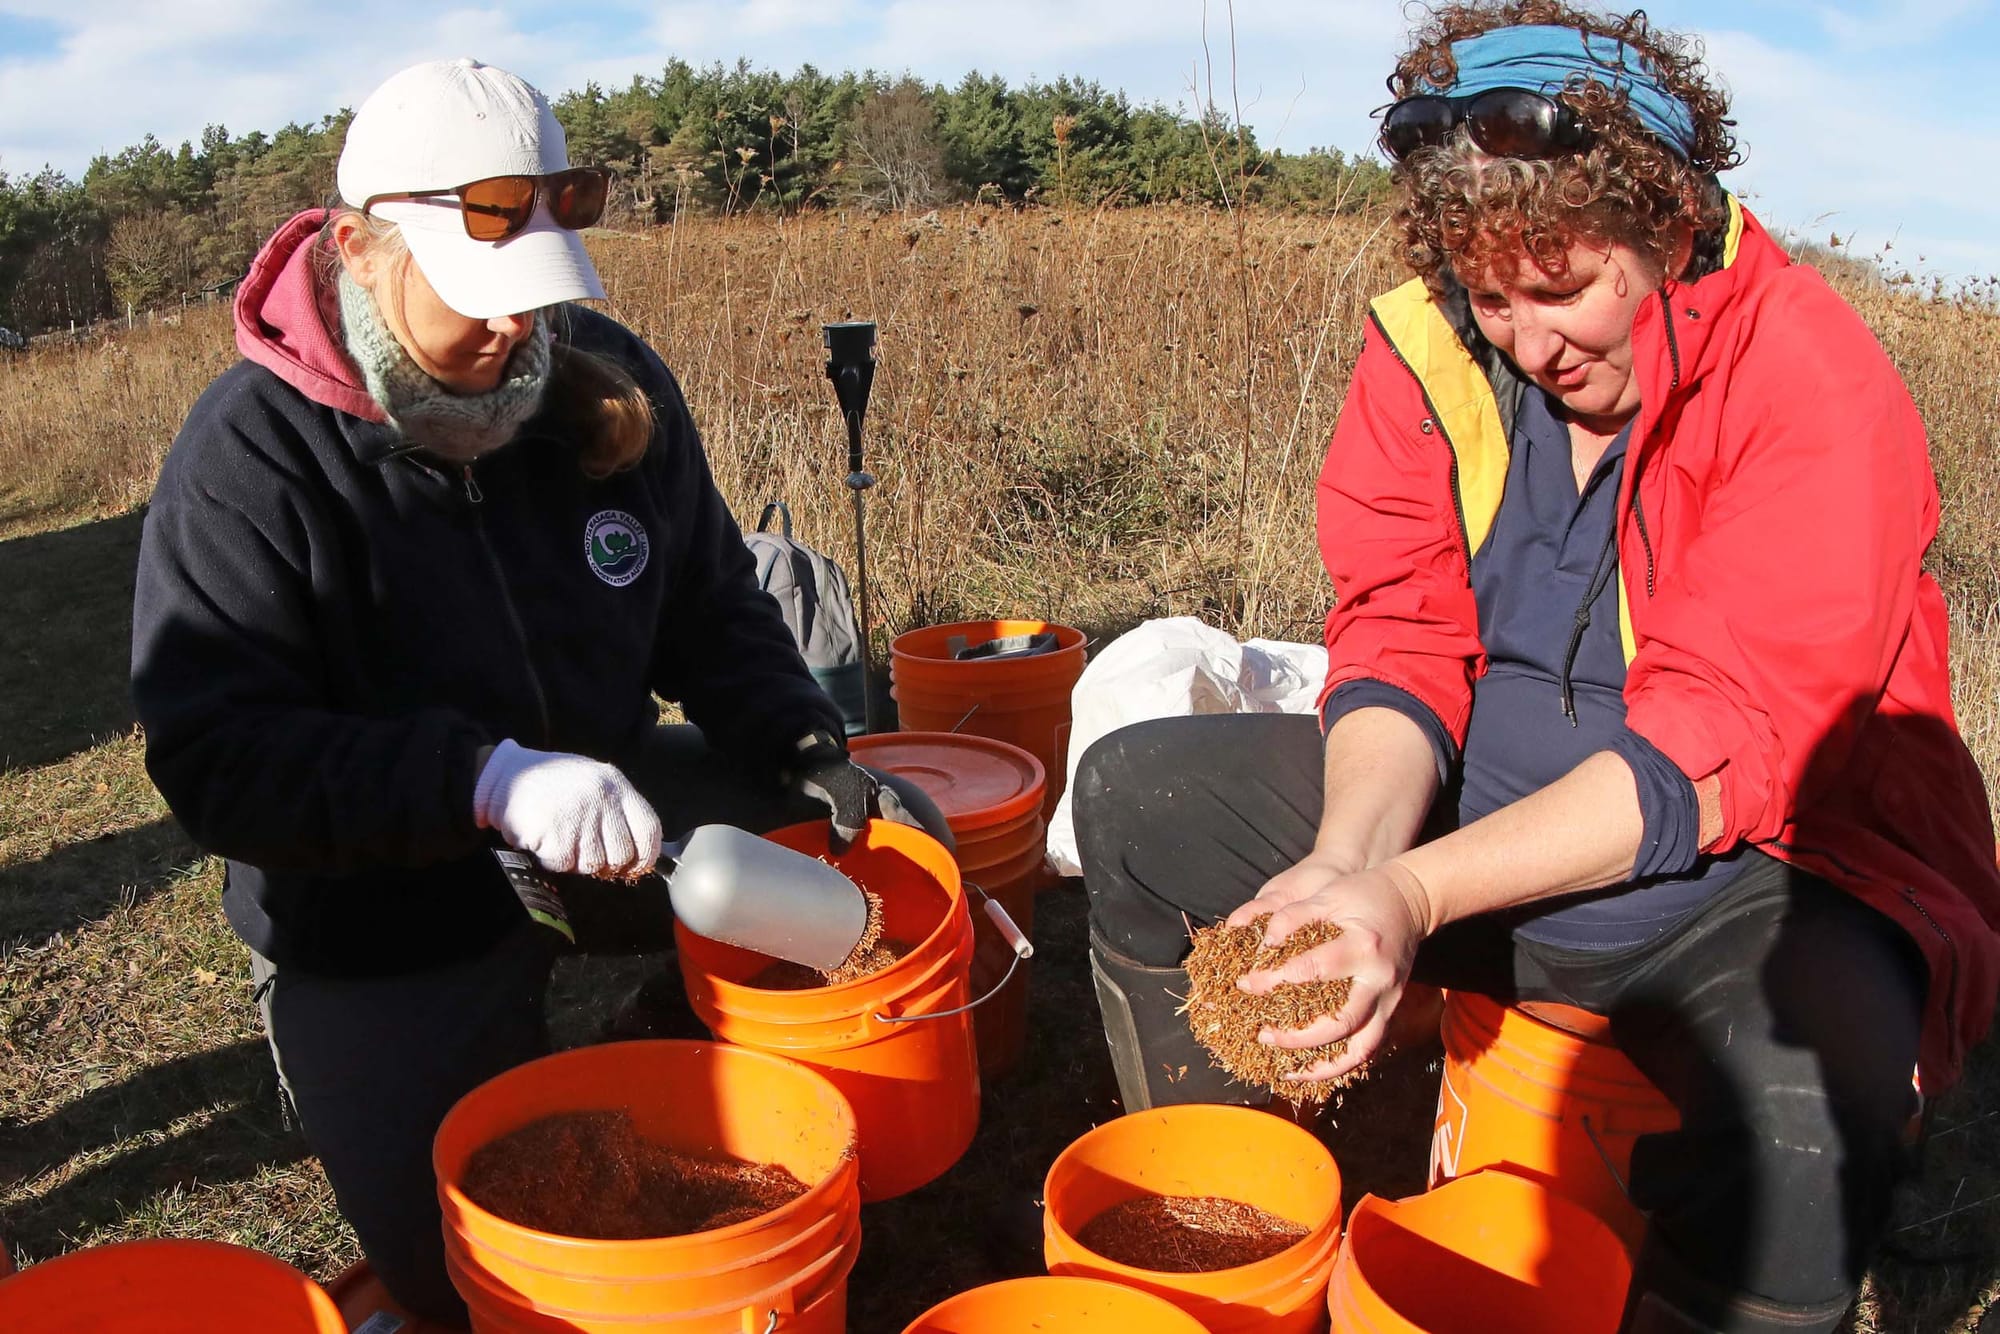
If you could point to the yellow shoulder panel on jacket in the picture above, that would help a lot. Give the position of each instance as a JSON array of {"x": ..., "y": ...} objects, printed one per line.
[
  {"x": 1460, "y": 395},
  {"x": 1733, "y": 237}
]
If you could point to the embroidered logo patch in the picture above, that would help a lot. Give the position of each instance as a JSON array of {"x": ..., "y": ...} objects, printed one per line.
[{"x": 616, "y": 547}]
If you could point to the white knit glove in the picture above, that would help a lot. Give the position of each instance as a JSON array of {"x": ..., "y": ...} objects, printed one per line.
[{"x": 569, "y": 812}]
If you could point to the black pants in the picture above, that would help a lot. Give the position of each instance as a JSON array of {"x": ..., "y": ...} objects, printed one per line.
[
  {"x": 372, "y": 1065},
  {"x": 1782, "y": 1018}
]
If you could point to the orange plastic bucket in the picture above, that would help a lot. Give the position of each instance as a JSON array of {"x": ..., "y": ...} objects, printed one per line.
[
  {"x": 1541, "y": 1101},
  {"x": 1057, "y": 1306},
  {"x": 1022, "y": 701},
  {"x": 1202, "y": 1149},
  {"x": 898, "y": 1044},
  {"x": 789, "y": 1265},
  {"x": 165, "y": 1287},
  {"x": 1490, "y": 1252},
  {"x": 991, "y": 795},
  {"x": 812, "y": 1300}
]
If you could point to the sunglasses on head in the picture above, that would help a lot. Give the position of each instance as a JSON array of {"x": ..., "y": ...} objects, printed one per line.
[
  {"x": 1506, "y": 122},
  {"x": 500, "y": 206}
]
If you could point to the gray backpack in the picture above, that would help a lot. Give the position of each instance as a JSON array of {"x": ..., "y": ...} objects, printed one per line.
[{"x": 812, "y": 593}]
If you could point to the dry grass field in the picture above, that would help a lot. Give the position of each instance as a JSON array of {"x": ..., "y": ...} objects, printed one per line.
[{"x": 1093, "y": 417}]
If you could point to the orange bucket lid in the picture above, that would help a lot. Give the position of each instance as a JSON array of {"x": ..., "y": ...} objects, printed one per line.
[{"x": 976, "y": 781}]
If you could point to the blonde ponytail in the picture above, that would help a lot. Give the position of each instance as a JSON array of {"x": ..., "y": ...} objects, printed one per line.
[{"x": 601, "y": 401}]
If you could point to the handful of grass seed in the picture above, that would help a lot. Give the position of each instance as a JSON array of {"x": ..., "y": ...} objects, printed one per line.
[{"x": 1226, "y": 1021}]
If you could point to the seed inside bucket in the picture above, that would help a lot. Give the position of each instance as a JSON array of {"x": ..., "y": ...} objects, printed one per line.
[
  {"x": 1183, "y": 1234},
  {"x": 871, "y": 933},
  {"x": 784, "y": 975},
  {"x": 592, "y": 1174},
  {"x": 870, "y": 955},
  {"x": 1226, "y": 1020}
]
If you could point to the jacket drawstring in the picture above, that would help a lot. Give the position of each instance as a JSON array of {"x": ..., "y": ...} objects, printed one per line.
[{"x": 1607, "y": 564}]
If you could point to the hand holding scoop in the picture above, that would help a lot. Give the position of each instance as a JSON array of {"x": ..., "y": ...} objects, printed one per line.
[{"x": 730, "y": 885}]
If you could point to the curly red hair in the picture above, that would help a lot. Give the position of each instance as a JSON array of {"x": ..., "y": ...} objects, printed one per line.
[{"x": 1461, "y": 210}]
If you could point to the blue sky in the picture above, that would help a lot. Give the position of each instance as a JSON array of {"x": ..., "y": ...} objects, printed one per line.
[{"x": 1875, "y": 120}]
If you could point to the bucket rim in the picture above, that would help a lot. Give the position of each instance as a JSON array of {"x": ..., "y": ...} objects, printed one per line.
[
  {"x": 840, "y": 1220},
  {"x": 1491, "y": 1013},
  {"x": 1018, "y": 808},
  {"x": 788, "y": 1023},
  {"x": 813, "y": 1268},
  {"x": 1108, "y": 1288},
  {"x": 1311, "y": 1254},
  {"x": 1280, "y": 1267},
  {"x": 846, "y": 1167},
  {"x": 915, "y": 971},
  {"x": 821, "y": 1275},
  {"x": 1482, "y": 1036},
  {"x": 919, "y": 647},
  {"x": 54, "y": 1274},
  {"x": 1373, "y": 1213},
  {"x": 1380, "y": 1208}
]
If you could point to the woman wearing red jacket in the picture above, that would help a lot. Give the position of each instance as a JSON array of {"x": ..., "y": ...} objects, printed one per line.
[{"x": 1638, "y": 695}]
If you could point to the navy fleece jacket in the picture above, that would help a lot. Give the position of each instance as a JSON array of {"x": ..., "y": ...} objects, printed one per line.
[{"x": 329, "y": 629}]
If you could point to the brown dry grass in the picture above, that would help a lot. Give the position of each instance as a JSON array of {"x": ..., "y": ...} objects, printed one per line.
[
  {"x": 83, "y": 429},
  {"x": 1064, "y": 421},
  {"x": 1057, "y": 420}
]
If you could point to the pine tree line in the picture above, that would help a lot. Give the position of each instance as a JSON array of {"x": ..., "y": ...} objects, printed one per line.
[{"x": 150, "y": 225}]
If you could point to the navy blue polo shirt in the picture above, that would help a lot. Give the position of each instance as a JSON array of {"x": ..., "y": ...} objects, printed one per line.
[{"x": 1546, "y": 583}]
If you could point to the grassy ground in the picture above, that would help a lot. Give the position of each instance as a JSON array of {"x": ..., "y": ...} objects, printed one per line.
[{"x": 1101, "y": 417}]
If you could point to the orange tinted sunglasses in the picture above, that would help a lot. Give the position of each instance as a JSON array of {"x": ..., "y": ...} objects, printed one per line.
[{"x": 500, "y": 206}]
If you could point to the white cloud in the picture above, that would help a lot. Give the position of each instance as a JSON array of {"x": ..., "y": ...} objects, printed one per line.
[
  {"x": 1152, "y": 50},
  {"x": 747, "y": 27},
  {"x": 1840, "y": 138},
  {"x": 247, "y": 64},
  {"x": 1899, "y": 23},
  {"x": 1864, "y": 149}
]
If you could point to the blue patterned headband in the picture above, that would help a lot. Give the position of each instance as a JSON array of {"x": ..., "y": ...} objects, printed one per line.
[{"x": 1545, "y": 58}]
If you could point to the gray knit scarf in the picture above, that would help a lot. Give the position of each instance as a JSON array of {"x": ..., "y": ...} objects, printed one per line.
[{"x": 458, "y": 427}]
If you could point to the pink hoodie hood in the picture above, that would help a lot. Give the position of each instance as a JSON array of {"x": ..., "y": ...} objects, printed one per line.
[{"x": 287, "y": 322}]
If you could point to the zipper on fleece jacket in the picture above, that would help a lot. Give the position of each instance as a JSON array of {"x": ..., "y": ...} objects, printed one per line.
[
  {"x": 1673, "y": 344},
  {"x": 475, "y": 498},
  {"x": 1645, "y": 538},
  {"x": 1673, "y": 357},
  {"x": 1639, "y": 510},
  {"x": 1951, "y": 980},
  {"x": 1436, "y": 421}
]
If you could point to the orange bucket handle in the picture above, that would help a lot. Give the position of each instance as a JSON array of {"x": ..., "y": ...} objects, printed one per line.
[{"x": 1016, "y": 938}]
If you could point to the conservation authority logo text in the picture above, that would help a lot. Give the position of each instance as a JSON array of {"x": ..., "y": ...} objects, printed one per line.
[{"x": 616, "y": 547}]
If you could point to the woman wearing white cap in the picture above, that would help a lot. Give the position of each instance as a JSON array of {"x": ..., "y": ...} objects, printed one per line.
[{"x": 413, "y": 572}]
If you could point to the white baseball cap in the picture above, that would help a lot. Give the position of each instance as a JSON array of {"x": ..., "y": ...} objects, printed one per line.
[{"x": 443, "y": 124}]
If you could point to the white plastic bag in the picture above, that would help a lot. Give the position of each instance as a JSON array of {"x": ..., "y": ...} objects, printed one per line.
[{"x": 1177, "y": 668}]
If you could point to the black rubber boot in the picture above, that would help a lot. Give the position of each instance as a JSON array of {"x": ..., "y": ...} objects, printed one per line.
[
  {"x": 1155, "y": 1058},
  {"x": 1669, "y": 1298}
]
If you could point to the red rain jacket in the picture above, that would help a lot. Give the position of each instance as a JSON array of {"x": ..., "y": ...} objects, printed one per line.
[{"x": 1779, "y": 630}]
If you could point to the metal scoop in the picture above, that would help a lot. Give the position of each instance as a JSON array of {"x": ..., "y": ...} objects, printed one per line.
[{"x": 730, "y": 885}]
